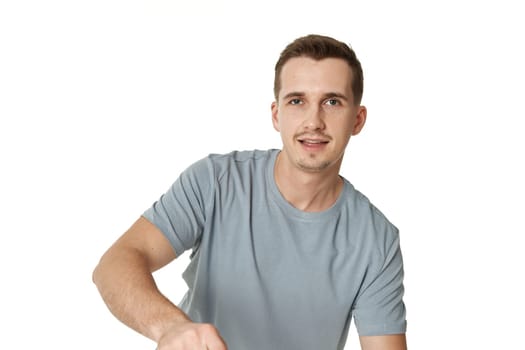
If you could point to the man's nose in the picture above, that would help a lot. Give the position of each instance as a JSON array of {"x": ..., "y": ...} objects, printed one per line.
[{"x": 314, "y": 119}]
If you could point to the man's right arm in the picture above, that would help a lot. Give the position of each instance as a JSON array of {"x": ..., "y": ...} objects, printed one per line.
[{"x": 125, "y": 281}]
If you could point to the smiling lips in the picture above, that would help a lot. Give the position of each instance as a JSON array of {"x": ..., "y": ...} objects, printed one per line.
[
  {"x": 309, "y": 141},
  {"x": 313, "y": 141}
]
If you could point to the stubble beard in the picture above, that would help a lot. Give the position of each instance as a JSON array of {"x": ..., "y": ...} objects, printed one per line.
[{"x": 312, "y": 165}]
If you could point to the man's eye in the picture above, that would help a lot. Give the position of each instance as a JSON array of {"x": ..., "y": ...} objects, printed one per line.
[
  {"x": 295, "y": 101},
  {"x": 332, "y": 102}
]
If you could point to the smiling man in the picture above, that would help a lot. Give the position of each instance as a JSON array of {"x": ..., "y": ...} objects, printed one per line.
[
  {"x": 316, "y": 114},
  {"x": 285, "y": 251}
]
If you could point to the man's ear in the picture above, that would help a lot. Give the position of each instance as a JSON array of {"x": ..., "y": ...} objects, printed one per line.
[
  {"x": 275, "y": 116},
  {"x": 360, "y": 120}
]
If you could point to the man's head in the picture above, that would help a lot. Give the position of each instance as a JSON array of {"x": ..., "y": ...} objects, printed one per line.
[
  {"x": 317, "y": 108},
  {"x": 319, "y": 47}
]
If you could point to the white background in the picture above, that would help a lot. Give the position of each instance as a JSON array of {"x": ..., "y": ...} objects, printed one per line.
[{"x": 103, "y": 103}]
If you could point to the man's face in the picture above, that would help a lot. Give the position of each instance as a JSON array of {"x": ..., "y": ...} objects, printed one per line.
[{"x": 315, "y": 112}]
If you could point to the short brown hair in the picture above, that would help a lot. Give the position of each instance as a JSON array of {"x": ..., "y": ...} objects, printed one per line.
[{"x": 318, "y": 47}]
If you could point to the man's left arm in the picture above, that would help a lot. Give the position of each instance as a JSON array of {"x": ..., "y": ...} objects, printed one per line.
[
  {"x": 379, "y": 310},
  {"x": 383, "y": 342}
]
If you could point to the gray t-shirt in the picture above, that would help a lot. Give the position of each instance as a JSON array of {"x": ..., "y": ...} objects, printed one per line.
[{"x": 270, "y": 276}]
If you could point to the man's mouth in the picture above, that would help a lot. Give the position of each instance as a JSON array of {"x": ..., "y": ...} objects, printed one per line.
[
  {"x": 312, "y": 142},
  {"x": 309, "y": 141}
]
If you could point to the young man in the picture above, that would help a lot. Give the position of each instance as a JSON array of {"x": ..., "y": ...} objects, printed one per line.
[{"x": 285, "y": 250}]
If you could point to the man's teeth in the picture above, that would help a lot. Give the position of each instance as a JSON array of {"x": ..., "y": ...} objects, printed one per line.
[{"x": 312, "y": 141}]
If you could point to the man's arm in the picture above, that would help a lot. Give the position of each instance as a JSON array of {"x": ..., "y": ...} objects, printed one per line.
[
  {"x": 383, "y": 342},
  {"x": 125, "y": 281}
]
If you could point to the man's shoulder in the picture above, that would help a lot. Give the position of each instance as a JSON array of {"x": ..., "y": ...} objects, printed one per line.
[
  {"x": 361, "y": 202},
  {"x": 238, "y": 164},
  {"x": 376, "y": 226},
  {"x": 241, "y": 156}
]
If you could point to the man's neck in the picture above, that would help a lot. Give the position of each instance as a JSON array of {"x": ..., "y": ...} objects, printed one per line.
[{"x": 307, "y": 191}]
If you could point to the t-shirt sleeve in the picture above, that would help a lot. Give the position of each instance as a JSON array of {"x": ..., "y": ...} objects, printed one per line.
[
  {"x": 379, "y": 308},
  {"x": 180, "y": 213}
]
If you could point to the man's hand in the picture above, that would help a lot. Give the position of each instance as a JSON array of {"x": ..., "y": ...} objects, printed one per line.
[{"x": 187, "y": 335}]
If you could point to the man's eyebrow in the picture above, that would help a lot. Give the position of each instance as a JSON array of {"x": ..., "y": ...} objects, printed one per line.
[
  {"x": 326, "y": 95},
  {"x": 336, "y": 94},
  {"x": 293, "y": 94}
]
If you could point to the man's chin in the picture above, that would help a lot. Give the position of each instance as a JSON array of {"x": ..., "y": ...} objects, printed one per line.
[{"x": 313, "y": 167}]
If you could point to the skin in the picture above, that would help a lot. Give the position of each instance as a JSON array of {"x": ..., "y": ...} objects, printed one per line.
[
  {"x": 125, "y": 282},
  {"x": 316, "y": 115}
]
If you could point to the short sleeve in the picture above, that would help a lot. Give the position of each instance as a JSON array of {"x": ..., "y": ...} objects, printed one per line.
[
  {"x": 180, "y": 213},
  {"x": 379, "y": 308}
]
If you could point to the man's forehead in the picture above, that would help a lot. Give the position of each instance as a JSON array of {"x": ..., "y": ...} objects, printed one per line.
[{"x": 325, "y": 76}]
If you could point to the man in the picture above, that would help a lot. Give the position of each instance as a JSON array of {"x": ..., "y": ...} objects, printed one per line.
[{"x": 284, "y": 250}]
